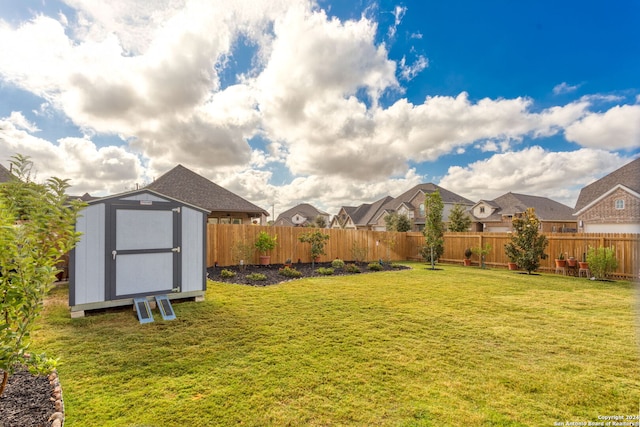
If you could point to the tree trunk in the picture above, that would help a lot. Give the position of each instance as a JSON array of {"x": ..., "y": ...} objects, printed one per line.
[{"x": 5, "y": 377}]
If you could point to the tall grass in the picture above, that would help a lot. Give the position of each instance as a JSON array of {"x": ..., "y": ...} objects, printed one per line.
[{"x": 457, "y": 346}]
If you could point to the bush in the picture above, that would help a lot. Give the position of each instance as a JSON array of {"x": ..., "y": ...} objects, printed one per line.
[
  {"x": 337, "y": 263},
  {"x": 352, "y": 268},
  {"x": 602, "y": 261},
  {"x": 374, "y": 266},
  {"x": 325, "y": 271},
  {"x": 256, "y": 276},
  {"x": 227, "y": 274},
  {"x": 396, "y": 265},
  {"x": 289, "y": 272}
]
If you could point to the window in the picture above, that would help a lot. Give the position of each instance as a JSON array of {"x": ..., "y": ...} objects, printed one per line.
[
  {"x": 212, "y": 220},
  {"x": 421, "y": 209},
  {"x": 236, "y": 221},
  {"x": 620, "y": 204},
  {"x": 481, "y": 209}
]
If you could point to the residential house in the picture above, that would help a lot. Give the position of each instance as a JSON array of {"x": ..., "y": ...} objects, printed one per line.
[
  {"x": 301, "y": 215},
  {"x": 496, "y": 215},
  {"x": 411, "y": 204},
  {"x": 612, "y": 203},
  {"x": 224, "y": 206},
  {"x": 359, "y": 217}
]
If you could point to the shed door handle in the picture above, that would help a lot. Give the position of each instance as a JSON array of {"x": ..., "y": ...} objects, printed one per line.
[{"x": 114, "y": 253}]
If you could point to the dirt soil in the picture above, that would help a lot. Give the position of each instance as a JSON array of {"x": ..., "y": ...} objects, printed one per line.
[
  {"x": 274, "y": 277},
  {"x": 26, "y": 402}
]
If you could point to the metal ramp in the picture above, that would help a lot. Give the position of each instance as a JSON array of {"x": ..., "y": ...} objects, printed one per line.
[
  {"x": 143, "y": 309},
  {"x": 164, "y": 305}
]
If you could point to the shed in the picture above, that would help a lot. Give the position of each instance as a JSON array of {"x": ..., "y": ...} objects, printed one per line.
[{"x": 137, "y": 244}]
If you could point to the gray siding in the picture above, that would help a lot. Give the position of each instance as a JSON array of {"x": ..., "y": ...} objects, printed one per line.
[
  {"x": 90, "y": 254},
  {"x": 145, "y": 197},
  {"x": 193, "y": 268}
]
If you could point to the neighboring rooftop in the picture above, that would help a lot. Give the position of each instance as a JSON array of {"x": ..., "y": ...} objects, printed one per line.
[
  {"x": 628, "y": 175},
  {"x": 514, "y": 203},
  {"x": 183, "y": 184}
]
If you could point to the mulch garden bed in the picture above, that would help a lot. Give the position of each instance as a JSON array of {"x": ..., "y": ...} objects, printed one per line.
[
  {"x": 273, "y": 276},
  {"x": 28, "y": 401}
]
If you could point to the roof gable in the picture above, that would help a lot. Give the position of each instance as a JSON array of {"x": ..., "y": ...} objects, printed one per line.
[
  {"x": 428, "y": 188},
  {"x": 604, "y": 195},
  {"x": 628, "y": 175},
  {"x": 304, "y": 209},
  {"x": 546, "y": 209},
  {"x": 184, "y": 184}
]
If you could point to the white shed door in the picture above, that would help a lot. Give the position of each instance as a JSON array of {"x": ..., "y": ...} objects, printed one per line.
[{"x": 145, "y": 254}]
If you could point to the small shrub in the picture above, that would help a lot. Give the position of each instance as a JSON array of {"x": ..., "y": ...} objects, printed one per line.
[
  {"x": 325, "y": 271},
  {"x": 337, "y": 263},
  {"x": 352, "y": 268},
  {"x": 227, "y": 274},
  {"x": 256, "y": 276},
  {"x": 396, "y": 265},
  {"x": 602, "y": 261},
  {"x": 374, "y": 266},
  {"x": 289, "y": 272}
]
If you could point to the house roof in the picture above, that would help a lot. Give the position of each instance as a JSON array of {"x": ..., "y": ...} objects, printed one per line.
[
  {"x": 128, "y": 194},
  {"x": 513, "y": 203},
  {"x": 183, "y": 184},
  {"x": 5, "y": 175},
  {"x": 305, "y": 209},
  {"x": 366, "y": 212},
  {"x": 428, "y": 188},
  {"x": 628, "y": 176}
]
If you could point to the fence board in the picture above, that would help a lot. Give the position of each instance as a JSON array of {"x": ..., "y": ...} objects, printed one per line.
[{"x": 393, "y": 246}]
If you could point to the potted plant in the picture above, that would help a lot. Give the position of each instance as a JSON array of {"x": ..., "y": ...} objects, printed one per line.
[
  {"x": 560, "y": 261},
  {"x": 467, "y": 256},
  {"x": 264, "y": 243}
]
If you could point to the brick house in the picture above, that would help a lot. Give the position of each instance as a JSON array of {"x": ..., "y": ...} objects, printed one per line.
[
  {"x": 612, "y": 203},
  {"x": 301, "y": 215}
]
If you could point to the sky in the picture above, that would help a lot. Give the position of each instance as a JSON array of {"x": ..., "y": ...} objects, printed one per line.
[{"x": 331, "y": 103}]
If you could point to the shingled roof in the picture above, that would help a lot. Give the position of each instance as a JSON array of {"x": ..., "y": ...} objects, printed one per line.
[
  {"x": 446, "y": 195},
  {"x": 365, "y": 213},
  {"x": 628, "y": 175},
  {"x": 305, "y": 209},
  {"x": 545, "y": 208},
  {"x": 185, "y": 185},
  {"x": 5, "y": 175}
]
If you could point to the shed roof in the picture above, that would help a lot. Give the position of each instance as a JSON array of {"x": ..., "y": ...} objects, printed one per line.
[
  {"x": 5, "y": 175},
  {"x": 184, "y": 184},
  {"x": 129, "y": 194},
  {"x": 628, "y": 176}
]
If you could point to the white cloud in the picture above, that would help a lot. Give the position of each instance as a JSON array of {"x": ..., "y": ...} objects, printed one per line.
[
  {"x": 564, "y": 87},
  {"x": 617, "y": 128},
  {"x": 408, "y": 72},
  {"x": 533, "y": 171}
]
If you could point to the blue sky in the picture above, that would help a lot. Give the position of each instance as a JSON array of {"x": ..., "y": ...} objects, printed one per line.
[{"x": 329, "y": 103}]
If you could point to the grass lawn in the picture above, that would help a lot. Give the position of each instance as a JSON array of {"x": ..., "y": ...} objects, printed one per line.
[{"x": 458, "y": 346}]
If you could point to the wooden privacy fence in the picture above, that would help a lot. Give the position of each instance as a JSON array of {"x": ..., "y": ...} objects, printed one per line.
[{"x": 392, "y": 246}]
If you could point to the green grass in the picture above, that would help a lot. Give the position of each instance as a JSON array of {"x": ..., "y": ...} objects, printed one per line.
[{"x": 458, "y": 346}]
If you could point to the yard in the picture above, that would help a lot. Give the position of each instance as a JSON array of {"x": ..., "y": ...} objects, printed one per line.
[{"x": 457, "y": 346}]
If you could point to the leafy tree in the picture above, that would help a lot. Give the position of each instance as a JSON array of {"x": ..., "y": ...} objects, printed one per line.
[
  {"x": 459, "y": 220},
  {"x": 397, "y": 222},
  {"x": 527, "y": 245},
  {"x": 317, "y": 240},
  {"x": 319, "y": 222},
  {"x": 37, "y": 227},
  {"x": 433, "y": 228}
]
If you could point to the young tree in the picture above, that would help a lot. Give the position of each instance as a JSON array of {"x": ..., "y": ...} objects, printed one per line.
[
  {"x": 37, "y": 227},
  {"x": 396, "y": 222},
  {"x": 317, "y": 240},
  {"x": 459, "y": 220},
  {"x": 527, "y": 245},
  {"x": 319, "y": 222},
  {"x": 433, "y": 228}
]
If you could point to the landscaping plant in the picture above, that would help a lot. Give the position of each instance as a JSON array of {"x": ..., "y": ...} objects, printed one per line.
[
  {"x": 37, "y": 227},
  {"x": 527, "y": 244},
  {"x": 459, "y": 220},
  {"x": 433, "y": 228},
  {"x": 602, "y": 261},
  {"x": 317, "y": 240}
]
